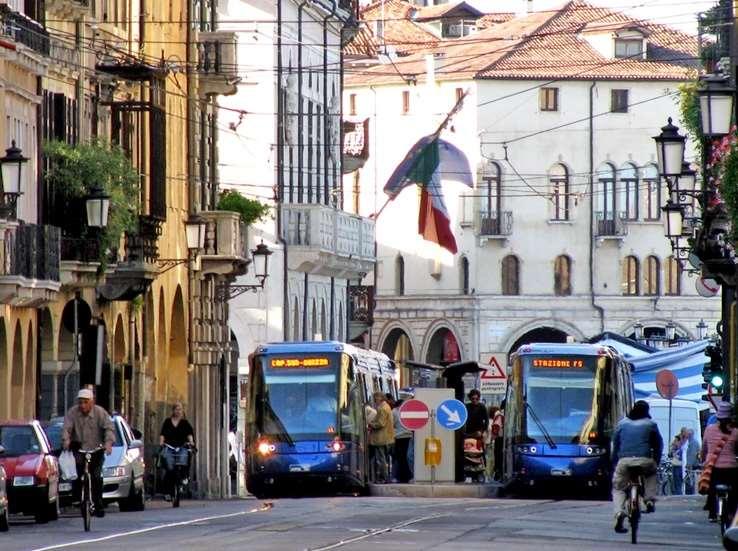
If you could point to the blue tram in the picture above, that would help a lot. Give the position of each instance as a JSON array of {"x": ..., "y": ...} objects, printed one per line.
[
  {"x": 306, "y": 415},
  {"x": 562, "y": 405}
]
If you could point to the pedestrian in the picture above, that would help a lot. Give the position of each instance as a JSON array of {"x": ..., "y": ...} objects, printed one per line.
[
  {"x": 635, "y": 443},
  {"x": 477, "y": 419},
  {"x": 498, "y": 426},
  {"x": 381, "y": 436},
  {"x": 718, "y": 455},
  {"x": 692, "y": 462},
  {"x": 87, "y": 426},
  {"x": 489, "y": 442},
  {"x": 676, "y": 451},
  {"x": 403, "y": 437}
]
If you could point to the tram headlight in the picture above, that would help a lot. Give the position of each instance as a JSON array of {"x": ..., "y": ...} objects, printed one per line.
[
  {"x": 265, "y": 448},
  {"x": 336, "y": 446},
  {"x": 595, "y": 450},
  {"x": 528, "y": 449}
]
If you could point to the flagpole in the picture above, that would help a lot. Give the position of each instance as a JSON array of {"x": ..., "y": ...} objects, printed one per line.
[{"x": 455, "y": 109}]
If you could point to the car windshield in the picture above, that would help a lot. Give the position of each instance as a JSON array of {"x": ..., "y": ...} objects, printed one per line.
[
  {"x": 19, "y": 440},
  {"x": 54, "y": 434}
]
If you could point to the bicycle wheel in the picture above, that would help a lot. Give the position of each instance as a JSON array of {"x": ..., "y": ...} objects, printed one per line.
[
  {"x": 86, "y": 502},
  {"x": 723, "y": 515},
  {"x": 175, "y": 488},
  {"x": 634, "y": 513}
]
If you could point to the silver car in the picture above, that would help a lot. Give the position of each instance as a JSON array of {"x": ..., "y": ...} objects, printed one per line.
[{"x": 123, "y": 470}]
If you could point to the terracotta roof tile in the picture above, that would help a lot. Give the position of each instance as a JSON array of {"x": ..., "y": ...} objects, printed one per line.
[
  {"x": 400, "y": 31},
  {"x": 490, "y": 19},
  {"x": 438, "y": 11},
  {"x": 548, "y": 45}
]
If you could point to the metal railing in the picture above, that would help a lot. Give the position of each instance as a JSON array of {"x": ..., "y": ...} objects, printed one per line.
[
  {"x": 24, "y": 30},
  {"x": 334, "y": 231},
  {"x": 64, "y": 52},
  {"x": 143, "y": 246},
  {"x": 216, "y": 53},
  {"x": 610, "y": 225},
  {"x": 31, "y": 251},
  {"x": 495, "y": 223},
  {"x": 80, "y": 249}
]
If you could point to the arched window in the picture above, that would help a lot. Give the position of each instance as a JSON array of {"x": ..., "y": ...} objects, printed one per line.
[
  {"x": 400, "y": 275},
  {"x": 510, "y": 275},
  {"x": 492, "y": 199},
  {"x": 672, "y": 277},
  {"x": 628, "y": 196},
  {"x": 605, "y": 195},
  {"x": 651, "y": 276},
  {"x": 562, "y": 275},
  {"x": 652, "y": 192},
  {"x": 559, "y": 181},
  {"x": 630, "y": 276},
  {"x": 464, "y": 275},
  {"x": 296, "y": 320}
]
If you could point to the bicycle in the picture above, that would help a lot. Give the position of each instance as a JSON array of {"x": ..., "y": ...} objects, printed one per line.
[
  {"x": 666, "y": 477},
  {"x": 179, "y": 471},
  {"x": 86, "y": 502},
  {"x": 635, "y": 493},
  {"x": 724, "y": 515}
]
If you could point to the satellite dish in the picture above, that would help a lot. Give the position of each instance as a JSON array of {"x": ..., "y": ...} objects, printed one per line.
[{"x": 707, "y": 287}]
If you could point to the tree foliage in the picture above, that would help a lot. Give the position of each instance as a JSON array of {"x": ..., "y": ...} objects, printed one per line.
[{"x": 250, "y": 210}]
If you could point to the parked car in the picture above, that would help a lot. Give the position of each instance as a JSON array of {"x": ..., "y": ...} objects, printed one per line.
[
  {"x": 4, "y": 523},
  {"x": 31, "y": 468},
  {"x": 123, "y": 470}
]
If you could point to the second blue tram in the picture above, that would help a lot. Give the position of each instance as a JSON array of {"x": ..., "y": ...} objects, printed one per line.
[
  {"x": 562, "y": 405},
  {"x": 306, "y": 415}
]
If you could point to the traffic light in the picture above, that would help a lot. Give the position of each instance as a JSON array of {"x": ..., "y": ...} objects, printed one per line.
[{"x": 712, "y": 371}]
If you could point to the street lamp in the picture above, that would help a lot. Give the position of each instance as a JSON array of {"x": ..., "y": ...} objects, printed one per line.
[
  {"x": 195, "y": 228},
  {"x": 670, "y": 150},
  {"x": 11, "y": 166},
  {"x": 260, "y": 256},
  {"x": 670, "y": 331},
  {"x": 673, "y": 220},
  {"x": 701, "y": 329},
  {"x": 638, "y": 330},
  {"x": 98, "y": 206},
  {"x": 687, "y": 179},
  {"x": 716, "y": 105}
]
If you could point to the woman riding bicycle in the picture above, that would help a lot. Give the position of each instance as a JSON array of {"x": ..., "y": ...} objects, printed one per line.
[
  {"x": 176, "y": 432},
  {"x": 725, "y": 469}
]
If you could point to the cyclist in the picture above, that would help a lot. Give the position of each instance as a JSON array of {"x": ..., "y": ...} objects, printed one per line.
[
  {"x": 636, "y": 443},
  {"x": 725, "y": 469},
  {"x": 87, "y": 426},
  {"x": 177, "y": 432}
]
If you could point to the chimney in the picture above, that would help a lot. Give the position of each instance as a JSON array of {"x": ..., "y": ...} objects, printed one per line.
[
  {"x": 430, "y": 69},
  {"x": 525, "y": 7}
]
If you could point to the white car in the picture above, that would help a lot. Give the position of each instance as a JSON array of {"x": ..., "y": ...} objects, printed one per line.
[{"x": 123, "y": 470}]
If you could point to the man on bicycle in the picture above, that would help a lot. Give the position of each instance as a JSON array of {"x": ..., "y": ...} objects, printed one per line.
[
  {"x": 636, "y": 443},
  {"x": 87, "y": 426}
]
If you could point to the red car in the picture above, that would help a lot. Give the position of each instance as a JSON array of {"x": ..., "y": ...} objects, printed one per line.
[{"x": 32, "y": 471}]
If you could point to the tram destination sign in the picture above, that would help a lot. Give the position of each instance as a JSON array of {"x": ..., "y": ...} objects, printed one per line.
[
  {"x": 312, "y": 361},
  {"x": 558, "y": 363}
]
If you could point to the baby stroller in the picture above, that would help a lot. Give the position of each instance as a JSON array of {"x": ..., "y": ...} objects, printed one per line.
[{"x": 474, "y": 461}]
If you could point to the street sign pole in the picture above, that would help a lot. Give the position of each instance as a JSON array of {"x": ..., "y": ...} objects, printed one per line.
[
  {"x": 433, "y": 438},
  {"x": 669, "y": 440}
]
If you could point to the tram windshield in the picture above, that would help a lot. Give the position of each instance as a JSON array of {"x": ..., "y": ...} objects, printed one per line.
[
  {"x": 561, "y": 398},
  {"x": 296, "y": 402}
]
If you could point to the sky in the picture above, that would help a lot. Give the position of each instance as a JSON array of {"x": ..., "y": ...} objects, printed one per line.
[{"x": 680, "y": 14}]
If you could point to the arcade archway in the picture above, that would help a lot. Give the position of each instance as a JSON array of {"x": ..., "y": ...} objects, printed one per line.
[
  {"x": 540, "y": 334},
  {"x": 397, "y": 346}
]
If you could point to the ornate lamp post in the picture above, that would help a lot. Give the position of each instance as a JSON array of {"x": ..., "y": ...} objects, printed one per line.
[
  {"x": 98, "y": 206},
  {"x": 11, "y": 166},
  {"x": 260, "y": 256}
]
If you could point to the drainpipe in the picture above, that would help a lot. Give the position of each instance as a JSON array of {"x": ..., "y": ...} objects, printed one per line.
[
  {"x": 280, "y": 178},
  {"x": 327, "y": 117},
  {"x": 600, "y": 309},
  {"x": 300, "y": 189},
  {"x": 75, "y": 345}
]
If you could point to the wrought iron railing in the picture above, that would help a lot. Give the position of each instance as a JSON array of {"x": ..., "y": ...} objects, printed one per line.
[
  {"x": 495, "y": 223},
  {"x": 610, "y": 225},
  {"x": 80, "y": 249},
  {"x": 24, "y": 30},
  {"x": 31, "y": 251},
  {"x": 143, "y": 246},
  {"x": 361, "y": 305}
]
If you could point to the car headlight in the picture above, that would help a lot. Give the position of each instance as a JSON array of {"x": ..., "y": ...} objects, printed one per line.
[
  {"x": 23, "y": 481},
  {"x": 114, "y": 471}
]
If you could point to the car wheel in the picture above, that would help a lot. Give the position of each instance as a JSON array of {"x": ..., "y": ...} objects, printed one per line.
[
  {"x": 136, "y": 500},
  {"x": 4, "y": 522}
]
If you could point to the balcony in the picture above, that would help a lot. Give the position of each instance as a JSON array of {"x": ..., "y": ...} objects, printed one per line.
[
  {"x": 361, "y": 309},
  {"x": 134, "y": 274},
  {"x": 64, "y": 57},
  {"x": 24, "y": 30},
  {"x": 226, "y": 244},
  {"x": 80, "y": 262},
  {"x": 67, "y": 9},
  {"x": 608, "y": 226},
  {"x": 326, "y": 241},
  {"x": 217, "y": 63},
  {"x": 29, "y": 267},
  {"x": 495, "y": 225}
]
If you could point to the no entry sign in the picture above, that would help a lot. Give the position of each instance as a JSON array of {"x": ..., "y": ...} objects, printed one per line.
[{"x": 414, "y": 414}]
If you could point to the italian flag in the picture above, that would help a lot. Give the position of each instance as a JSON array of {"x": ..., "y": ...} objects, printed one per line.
[{"x": 428, "y": 162}]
